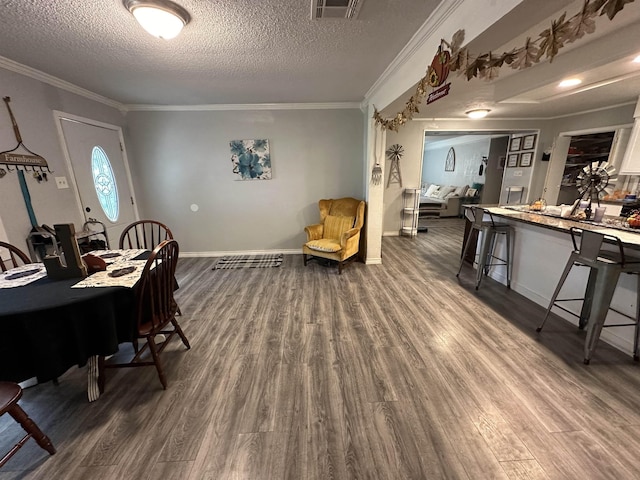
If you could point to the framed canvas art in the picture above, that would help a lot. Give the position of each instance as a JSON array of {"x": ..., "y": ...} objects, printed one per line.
[
  {"x": 515, "y": 144},
  {"x": 512, "y": 160},
  {"x": 251, "y": 159}
]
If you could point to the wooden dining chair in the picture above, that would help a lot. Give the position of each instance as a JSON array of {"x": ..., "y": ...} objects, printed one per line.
[
  {"x": 10, "y": 393},
  {"x": 144, "y": 234},
  {"x": 11, "y": 256},
  {"x": 156, "y": 312}
]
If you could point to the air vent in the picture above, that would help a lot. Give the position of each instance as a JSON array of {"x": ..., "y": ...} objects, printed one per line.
[{"x": 348, "y": 9}]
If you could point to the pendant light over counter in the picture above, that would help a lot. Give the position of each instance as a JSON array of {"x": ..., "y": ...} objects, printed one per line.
[{"x": 161, "y": 18}]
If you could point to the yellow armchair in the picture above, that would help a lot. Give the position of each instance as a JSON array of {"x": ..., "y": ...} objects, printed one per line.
[{"x": 337, "y": 236}]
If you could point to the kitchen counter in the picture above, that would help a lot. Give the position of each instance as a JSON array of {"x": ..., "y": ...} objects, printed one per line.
[
  {"x": 541, "y": 247},
  {"x": 609, "y": 226}
]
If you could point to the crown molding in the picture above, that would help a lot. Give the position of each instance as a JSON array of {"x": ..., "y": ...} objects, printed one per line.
[
  {"x": 30, "y": 72},
  {"x": 244, "y": 106}
]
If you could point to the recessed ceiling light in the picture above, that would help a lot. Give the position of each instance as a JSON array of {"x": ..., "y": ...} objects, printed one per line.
[
  {"x": 570, "y": 82},
  {"x": 161, "y": 18},
  {"x": 637, "y": 59},
  {"x": 477, "y": 113}
]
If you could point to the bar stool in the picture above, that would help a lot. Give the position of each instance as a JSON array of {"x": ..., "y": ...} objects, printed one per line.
[
  {"x": 10, "y": 393},
  {"x": 489, "y": 230},
  {"x": 605, "y": 269}
]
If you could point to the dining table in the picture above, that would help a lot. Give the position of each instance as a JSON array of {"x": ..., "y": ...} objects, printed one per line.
[{"x": 49, "y": 326}]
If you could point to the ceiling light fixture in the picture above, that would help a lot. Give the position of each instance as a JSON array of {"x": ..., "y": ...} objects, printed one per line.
[
  {"x": 477, "y": 113},
  {"x": 637, "y": 59},
  {"x": 161, "y": 18},
  {"x": 570, "y": 82}
]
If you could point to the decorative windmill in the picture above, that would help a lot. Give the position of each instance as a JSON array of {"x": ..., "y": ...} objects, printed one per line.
[
  {"x": 596, "y": 179},
  {"x": 394, "y": 153}
]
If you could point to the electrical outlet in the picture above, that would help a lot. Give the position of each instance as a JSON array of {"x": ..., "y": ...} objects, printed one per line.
[
  {"x": 61, "y": 182},
  {"x": 517, "y": 173}
]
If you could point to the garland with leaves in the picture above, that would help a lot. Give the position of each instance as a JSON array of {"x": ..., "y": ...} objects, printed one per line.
[{"x": 487, "y": 66}]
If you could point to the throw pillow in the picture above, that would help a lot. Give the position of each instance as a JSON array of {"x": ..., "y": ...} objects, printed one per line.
[
  {"x": 461, "y": 191},
  {"x": 444, "y": 191},
  {"x": 432, "y": 190},
  {"x": 335, "y": 226}
]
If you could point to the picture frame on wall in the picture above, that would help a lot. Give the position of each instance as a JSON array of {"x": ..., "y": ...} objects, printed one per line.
[
  {"x": 525, "y": 159},
  {"x": 512, "y": 160},
  {"x": 515, "y": 144},
  {"x": 529, "y": 142}
]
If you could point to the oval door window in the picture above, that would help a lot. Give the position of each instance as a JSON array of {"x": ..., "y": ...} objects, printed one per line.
[{"x": 105, "y": 183}]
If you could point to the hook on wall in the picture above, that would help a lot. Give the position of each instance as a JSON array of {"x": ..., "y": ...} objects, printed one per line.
[{"x": 483, "y": 162}]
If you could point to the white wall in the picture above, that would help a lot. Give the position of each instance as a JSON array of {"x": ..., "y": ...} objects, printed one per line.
[
  {"x": 180, "y": 158},
  {"x": 32, "y": 103}
]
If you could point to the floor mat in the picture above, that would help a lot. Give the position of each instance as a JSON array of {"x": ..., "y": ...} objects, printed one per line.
[{"x": 249, "y": 261}]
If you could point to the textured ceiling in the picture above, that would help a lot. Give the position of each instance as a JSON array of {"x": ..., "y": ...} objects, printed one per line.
[{"x": 232, "y": 52}]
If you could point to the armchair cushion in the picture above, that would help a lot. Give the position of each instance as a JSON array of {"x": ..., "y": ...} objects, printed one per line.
[
  {"x": 335, "y": 226},
  {"x": 325, "y": 245}
]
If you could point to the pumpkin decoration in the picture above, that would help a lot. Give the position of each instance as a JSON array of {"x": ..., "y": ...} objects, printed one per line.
[
  {"x": 633, "y": 220},
  {"x": 438, "y": 71}
]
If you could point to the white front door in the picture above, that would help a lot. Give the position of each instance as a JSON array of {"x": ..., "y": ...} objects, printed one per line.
[{"x": 100, "y": 173}]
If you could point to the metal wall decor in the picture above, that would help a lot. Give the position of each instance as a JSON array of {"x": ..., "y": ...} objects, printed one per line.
[
  {"x": 22, "y": 161},
  {"x": 394, "y": 153},
  {"x": 450, "y": 162}
]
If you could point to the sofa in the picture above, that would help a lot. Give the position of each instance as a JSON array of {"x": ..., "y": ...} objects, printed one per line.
[{"x": 442, "y": 200}]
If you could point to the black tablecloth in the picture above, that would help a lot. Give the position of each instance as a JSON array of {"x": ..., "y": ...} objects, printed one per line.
[{"x": 48, "y": 327}]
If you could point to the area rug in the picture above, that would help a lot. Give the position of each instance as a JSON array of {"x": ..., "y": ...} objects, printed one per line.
[{"x": 249, "y": 261}]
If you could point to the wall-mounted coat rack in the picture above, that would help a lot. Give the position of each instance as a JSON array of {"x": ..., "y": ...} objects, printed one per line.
[
  {"x": 13, "y": 160},
  {"x": 16, "y": 160}
]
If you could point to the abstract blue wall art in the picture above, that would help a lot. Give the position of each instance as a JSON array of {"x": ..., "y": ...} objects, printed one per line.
[{"x": 251, "y": 159}]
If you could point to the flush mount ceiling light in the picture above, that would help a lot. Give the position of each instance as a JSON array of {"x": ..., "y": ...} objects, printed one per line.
[
  {"x": 569, "y": 82},
  {"x": 477, "y": 113},
  {"x": 161, "y": 18},
  {"x": 637, "y": 59}
]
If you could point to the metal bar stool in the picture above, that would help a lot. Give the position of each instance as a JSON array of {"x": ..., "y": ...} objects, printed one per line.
[
  {"x": 489, "y": 231},
  {"x": 10, "y": 393},
  {"x": 605, "y": 269}
]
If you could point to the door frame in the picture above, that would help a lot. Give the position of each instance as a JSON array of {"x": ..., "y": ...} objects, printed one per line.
[
  {"x": 558, "y": 156},
  {"x": 460, "y": 132},
  {"x": 58, "y": 117}
]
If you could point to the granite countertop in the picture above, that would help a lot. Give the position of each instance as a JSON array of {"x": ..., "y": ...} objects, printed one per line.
[{"x": 614, "y": 226}]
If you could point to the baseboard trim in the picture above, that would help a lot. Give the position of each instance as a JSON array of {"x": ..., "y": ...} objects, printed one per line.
[{"x": 297, "y": 251}]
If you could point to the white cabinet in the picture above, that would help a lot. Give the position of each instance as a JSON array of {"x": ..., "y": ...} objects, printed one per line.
[{"x": 410, "y": 211}]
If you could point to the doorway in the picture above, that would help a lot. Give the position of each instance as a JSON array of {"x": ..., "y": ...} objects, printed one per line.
[
  {"x": 99, "y": 172},
  {"x": 480, "y": 162}
]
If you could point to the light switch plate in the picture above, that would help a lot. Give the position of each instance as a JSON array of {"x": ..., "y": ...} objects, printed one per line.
[
  {"x": 61, "y": 182},
  {"x": 517, "y": 173}
]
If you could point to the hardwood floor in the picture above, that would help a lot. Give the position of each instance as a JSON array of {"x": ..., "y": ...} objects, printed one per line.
[{"x": 384, "y": 372}]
